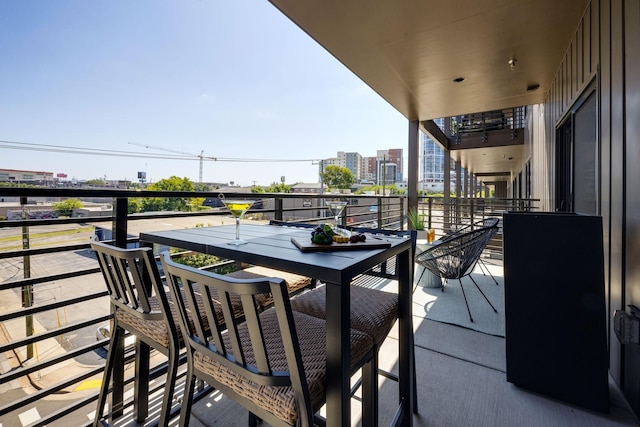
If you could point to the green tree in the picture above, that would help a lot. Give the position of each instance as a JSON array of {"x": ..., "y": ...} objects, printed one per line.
[
  {"x": 182, "y": 204},
  {"x": 134, "y": 205},
  {"x": 278, "y": 188},
  {"x": 377, "y": 189},
  {"x": 199, "y": 186},
  {"x": 96, "y": 182},
  {"x": 65, "y": 207},
  {"x": 338, "y": 177}
]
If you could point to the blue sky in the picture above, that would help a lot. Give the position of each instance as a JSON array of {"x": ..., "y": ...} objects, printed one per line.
[{"x": 235, "y": 79}]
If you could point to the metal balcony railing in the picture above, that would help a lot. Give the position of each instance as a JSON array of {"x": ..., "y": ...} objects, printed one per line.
[
  {"x": 468, "y": 125},
  {"x": 53, "y": 302}
]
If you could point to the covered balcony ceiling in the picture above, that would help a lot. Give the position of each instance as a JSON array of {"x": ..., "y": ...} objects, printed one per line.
[{"x": 412, "y": 51}]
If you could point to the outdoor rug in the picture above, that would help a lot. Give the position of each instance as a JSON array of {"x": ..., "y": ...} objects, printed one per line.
[{"x": 448, "y": 306}]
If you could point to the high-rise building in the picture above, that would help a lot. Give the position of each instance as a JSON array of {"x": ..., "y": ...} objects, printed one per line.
[
  {"x": 370, "y": 173},
  {"x": 432, "y": 163},
  {"x": 393, "y": 156},
  {"x": 432, "y": 167},
  {"x": 354, "y": 162},
  {"x": 371, "y": 168}
]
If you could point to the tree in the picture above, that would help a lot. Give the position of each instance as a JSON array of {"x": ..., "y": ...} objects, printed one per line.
[
  {"x": 278, "y": 188},
  {"x": 199, "y": 186},
  {"x": 65, "y": 207},
  {"x": 174, "y": 183},
  {"x": 377, "y": 189},
  {"x": 135, "y": 205},
  {"x": 337, "y": 177}
]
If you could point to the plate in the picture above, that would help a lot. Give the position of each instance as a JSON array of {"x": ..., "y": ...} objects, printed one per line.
[{"x": 306, "y": 245}]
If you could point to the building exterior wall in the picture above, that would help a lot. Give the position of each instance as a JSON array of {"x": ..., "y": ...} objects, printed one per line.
[
  {"x": 432, "y": 168},
  {"x": 395, "y": 156},
  {"x": 353, "y": 162},
  {"x": 13, "y": 175},
  {"x": 370, "y": 173},
  {"x": 604, "y": 52}
]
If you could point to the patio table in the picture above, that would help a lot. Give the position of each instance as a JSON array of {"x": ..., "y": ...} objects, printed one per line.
[{"x": 271, "y": 246}]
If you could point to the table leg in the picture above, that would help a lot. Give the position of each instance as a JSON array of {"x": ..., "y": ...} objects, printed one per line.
[
  {"x": 338, "y": 355},
  {"x": 406, "y": 370}
]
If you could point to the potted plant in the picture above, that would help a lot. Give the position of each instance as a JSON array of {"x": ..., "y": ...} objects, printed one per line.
[{"x": 416, "y": 222}]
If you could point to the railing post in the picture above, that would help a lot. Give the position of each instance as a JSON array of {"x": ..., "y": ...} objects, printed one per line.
[
  {"x": 27, "y": 291},
  {"x": 120, "y": 212},
  {"x": 119, "y": 234},
  {"x": 401, "y": 214},
  {"x": 278, "y": 208},
  {"x": 380, "y": 207}
]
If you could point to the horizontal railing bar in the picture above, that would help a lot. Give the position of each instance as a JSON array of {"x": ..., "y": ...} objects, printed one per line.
[
  {"x": 50, "y": 334},
  {"x": 51, "y": 306},
  {"x": 44, "y": 251},
  {"x": 154, "y": 373},
  {"x": 53, "y": 249},
  {"x": 70, "y": 354},
  {"x": 10, "y": 284},
  {"x": 17, "y": 404},
  {"x": 67, "y": 410}
]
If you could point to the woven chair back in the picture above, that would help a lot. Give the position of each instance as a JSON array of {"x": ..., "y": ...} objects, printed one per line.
[
  {"x": 238, "y": 355},
  {"x": 133, "y": 281},
  {"x": 456, "y": 257}
]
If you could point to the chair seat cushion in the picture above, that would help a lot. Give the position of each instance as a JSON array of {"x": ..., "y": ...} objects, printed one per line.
[
  {"x": 372, "y": 311},
  {"x": 281, "y": 401},
  {"x": 157, "y": 330},
  {"x": 295, "y": 282}
]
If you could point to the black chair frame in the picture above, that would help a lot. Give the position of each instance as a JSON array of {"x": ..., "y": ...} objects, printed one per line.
[{"x": 456, "y": 258}]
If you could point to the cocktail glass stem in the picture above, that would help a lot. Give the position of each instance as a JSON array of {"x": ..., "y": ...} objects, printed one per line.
[{"x": 237, "y": 208}]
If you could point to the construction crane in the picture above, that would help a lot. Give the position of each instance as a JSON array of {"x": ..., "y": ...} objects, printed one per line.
[{"x": 199, "y": 156}]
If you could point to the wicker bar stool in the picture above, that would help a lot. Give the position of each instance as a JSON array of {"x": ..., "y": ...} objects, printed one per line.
[
  {"x": 373, "y": 312},
  {"x": 273, "y": 364},
  {"x": 140, "y": 304}
]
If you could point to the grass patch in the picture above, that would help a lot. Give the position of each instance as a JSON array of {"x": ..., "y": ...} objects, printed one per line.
[{"x": 47, "y": 234}]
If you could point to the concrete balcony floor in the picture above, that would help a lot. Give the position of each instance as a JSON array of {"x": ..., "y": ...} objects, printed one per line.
[{"x": 461, "y": 381}]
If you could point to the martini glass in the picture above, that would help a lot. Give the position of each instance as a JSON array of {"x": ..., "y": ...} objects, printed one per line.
[
  {"x": 237, "y": 208},
  {"x": 336, "y": 207}
]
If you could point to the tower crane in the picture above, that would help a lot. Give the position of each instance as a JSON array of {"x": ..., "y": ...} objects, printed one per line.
[{"x": 199, "y": 156}]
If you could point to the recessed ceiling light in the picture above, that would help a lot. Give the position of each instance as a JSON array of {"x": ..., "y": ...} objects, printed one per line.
[{"x": 458, "y": 80}]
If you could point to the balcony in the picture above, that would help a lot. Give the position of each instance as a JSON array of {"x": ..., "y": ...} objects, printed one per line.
[{"x": 51, "y": 281}]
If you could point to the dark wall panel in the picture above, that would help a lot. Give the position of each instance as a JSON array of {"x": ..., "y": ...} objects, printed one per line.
[
  {"x": 632, "y": 176},
  {"x": 608, "y": 43},
  {"x": 601, "y": 10},
  {"x": 617, "y": 169},
  {"x": 594, "y": 10},
  {"x": 632, "y": 150}
]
